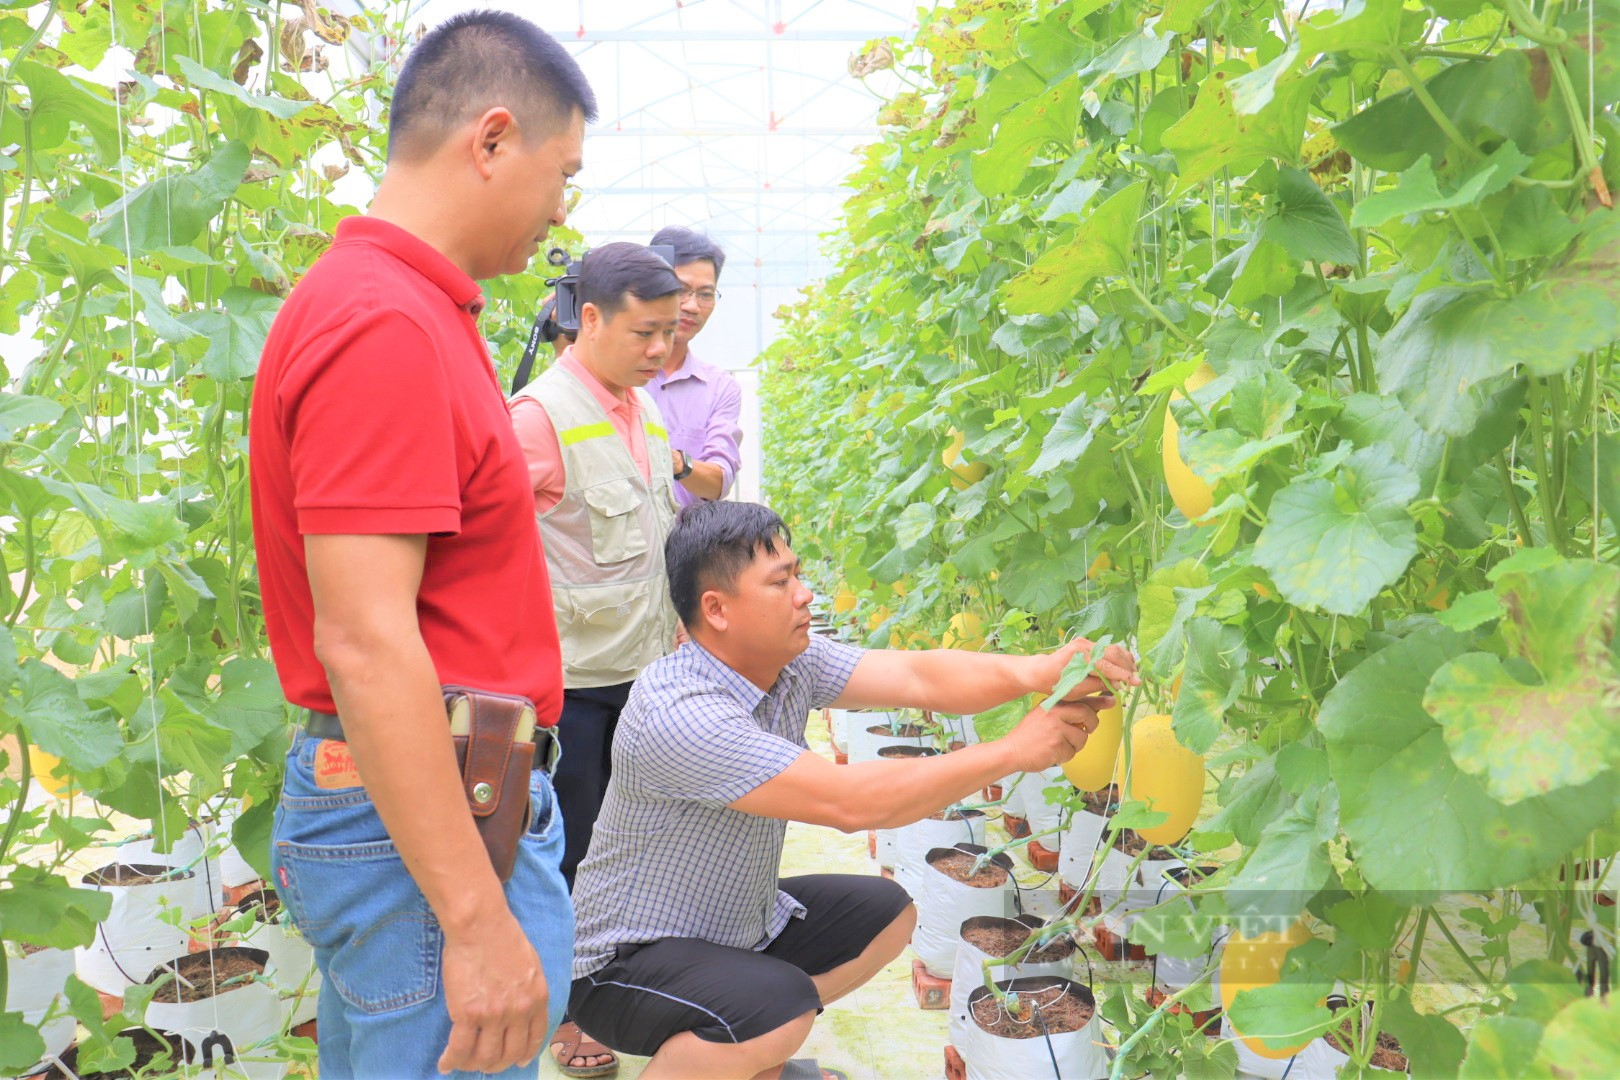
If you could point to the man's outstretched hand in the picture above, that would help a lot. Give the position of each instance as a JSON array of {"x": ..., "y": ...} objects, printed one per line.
[
  {"x": 1114, "y": 669},
  {"x": 1048, "y": 737}
]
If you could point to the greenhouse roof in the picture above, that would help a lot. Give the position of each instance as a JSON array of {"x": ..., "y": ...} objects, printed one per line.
[{"x": 736, "y": 117}]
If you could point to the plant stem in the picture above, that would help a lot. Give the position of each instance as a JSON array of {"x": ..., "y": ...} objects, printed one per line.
[
  {"x": 1175, "y": 331},
  {"x": 1430, "y": 106},
  {"x": 1526, "y": 538},
  {"x": 1484, "y": 979},
  {"x": 1121, "y": 1055},
  {"x": 28, "y": 574},
  {"x": 1546, "y": 490}
]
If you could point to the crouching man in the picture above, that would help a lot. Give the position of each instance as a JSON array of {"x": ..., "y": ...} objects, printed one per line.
[{"x": 691, "y": 949}]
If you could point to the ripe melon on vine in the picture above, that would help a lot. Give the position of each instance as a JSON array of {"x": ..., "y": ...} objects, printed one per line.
[
  {"x": 964, "y": 631},
  {"x": 1092, "y": 769},
  {"x": 1248, "y": 963},
  {"x": 42, "y": 764},
  {"x": 1165, "y": 775},
  {"x": 845, "y": 601},
  {"x": 1192, "y": 496},
  {"x": 964, "y": 473}
]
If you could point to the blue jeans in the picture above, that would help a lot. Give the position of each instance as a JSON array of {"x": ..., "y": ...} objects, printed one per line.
[{"x": 382, "y": 1010}]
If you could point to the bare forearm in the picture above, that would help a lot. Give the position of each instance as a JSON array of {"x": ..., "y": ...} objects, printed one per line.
[
  {"x": 393, "y": 716},
  {"x": 963, "y": 682},
  {"x": 706, "y": 480},
  {"x": 889, "y": 794}
]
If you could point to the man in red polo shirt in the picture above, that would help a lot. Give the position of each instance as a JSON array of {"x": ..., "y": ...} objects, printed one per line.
[{"x": 393, "y": 519}]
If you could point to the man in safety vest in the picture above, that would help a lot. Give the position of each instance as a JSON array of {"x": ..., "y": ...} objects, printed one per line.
[{"x": 600, "y": 465}]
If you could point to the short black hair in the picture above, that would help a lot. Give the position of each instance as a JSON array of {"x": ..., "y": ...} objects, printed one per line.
[
  {"x": 691, "y": 246},
  {"x": 475, "y": 61},
  {"x": 713, "y": 542},
  {"x": 612, "y": 272}
]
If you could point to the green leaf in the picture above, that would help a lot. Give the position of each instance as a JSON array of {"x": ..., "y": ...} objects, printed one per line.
[
  {"x": 1048, "y": 117},
  {"x": 1363, "y": 25},
  {"x": 59, "y": 723},
  {"x": 159, "y": 316},
  {"x": 1306, "y": 223},
  {"x": 1290, "y": 864},
  {"x": 1438, "y": 356},
  {"x": 1418, "y": 823},
  {"x": 1210, "y": 684},
  {"x": 236, "y": 334},
  {"x": 915, "y": 525},
  {"x": 1213, "y": 136},
  {"x": 1102, "y": 245},
  {"x": 251, "y": 835},
  {"x": 1334, "y": 544},
  {"x": 1070, "y": 436},
  {"x": 1166, "y": 600},
  {"x": 1594, "y": 471},
  {"x": 174, "y": 209},
  {"x": 1547, "y": 723},
  {"x": 1580, "y": 1040},
  {"x": 20, "y": 1044},
  {"x": 1071, "y": 199},
  {"x": 1573, "y": 309},
  {"x": 18, "y": 411},
  {"x": 250, "y": 704},
  {"x": 39, "y": 908},
  {"x": 1432, "y": 1044},
  {"x": 202, "y": 78},
  {"x": 1132, "y": 55},
  {"x": 1500, "y": 1046},
  {"x": 1419, "y": 192},
  {"x": 1472, "y": 610},
  {"x": 57, "y": 100}
]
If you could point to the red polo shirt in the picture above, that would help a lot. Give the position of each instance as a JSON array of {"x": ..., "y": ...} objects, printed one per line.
[{"x": 376, "y": 411}]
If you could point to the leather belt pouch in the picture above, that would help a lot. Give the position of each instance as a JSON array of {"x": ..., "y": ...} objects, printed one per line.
[{"x": 494, "y": 740}]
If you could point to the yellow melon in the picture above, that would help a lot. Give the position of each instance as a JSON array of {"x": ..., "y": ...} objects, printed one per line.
[
  {"x": 1165, "y": 775},
  {"x": 965, "y": 631},
  {"x": 1192, "y": 496},
  {"x": 964, "y": 473},
  {"x": 42, "y": 765},
  {"x": 1093, "y": 767},
  {"x": 845, "y": 601},
  {"x": 1248, "y": 963}
]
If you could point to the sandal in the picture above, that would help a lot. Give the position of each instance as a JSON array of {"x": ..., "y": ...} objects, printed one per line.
[
  {"x": 569, "y": 1043},
  {"x": 807, "y": 1069}
]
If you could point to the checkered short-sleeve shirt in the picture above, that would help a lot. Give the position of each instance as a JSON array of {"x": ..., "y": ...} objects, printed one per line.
[{"x": 669, "y": 857}]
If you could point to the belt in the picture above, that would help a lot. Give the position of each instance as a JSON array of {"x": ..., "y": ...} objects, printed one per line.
[{"x": 547, "y": 746}]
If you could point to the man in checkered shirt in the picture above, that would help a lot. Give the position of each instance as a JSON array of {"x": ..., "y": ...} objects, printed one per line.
[{"x": 690, "y": 948}]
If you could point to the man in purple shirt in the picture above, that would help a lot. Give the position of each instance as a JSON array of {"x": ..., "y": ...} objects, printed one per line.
[{"x": 699, "y": 402}]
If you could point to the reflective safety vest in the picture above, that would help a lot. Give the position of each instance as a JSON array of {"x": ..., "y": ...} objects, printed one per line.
[{"x": 604, "y": 539}]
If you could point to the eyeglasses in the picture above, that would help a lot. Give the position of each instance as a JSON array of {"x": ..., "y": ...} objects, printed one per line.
[{"x": 704, "y": 296}]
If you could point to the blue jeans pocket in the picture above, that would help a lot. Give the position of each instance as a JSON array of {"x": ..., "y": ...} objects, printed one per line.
[{"x": 350, "y": 895}]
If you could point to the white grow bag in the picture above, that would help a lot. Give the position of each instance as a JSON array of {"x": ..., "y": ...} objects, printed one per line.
[
  {"x": 945, "y": 904},
  {"x": 234, "y": 871},
  {"x": 135, "y": 937},
  {"x": 913, "y": 843},
  {"x": 1044, "y": 816},
  {"x": 34, "y": 987},
  {"x": 888, "y": 840},
  {"x": 970, "y": 961},
  {"x": 864, "y": 743},
  {"x": 838, "y": 729},
  {"x": 1080, "y": 1055},
  {"x": 291, "y": 970},
  {"x": 227, "y": 1028}
]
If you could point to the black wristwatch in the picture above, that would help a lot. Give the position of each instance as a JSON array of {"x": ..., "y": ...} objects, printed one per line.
[{"x": 686, "y": 465}]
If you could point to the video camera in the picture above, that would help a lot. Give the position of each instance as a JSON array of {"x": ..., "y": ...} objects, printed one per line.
[
  {"x": 560, "y": 314},
  {"x": 566, "y": 315}
]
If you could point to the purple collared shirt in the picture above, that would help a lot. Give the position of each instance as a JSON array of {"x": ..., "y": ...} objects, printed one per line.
[{"x": 700, "y": 405}]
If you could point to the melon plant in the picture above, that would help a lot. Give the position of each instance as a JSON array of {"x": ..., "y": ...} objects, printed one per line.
[{"x": 1386, "y": 232}]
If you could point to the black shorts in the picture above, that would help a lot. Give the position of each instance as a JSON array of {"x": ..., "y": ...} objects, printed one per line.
[{"x": 650, "y": 993}]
